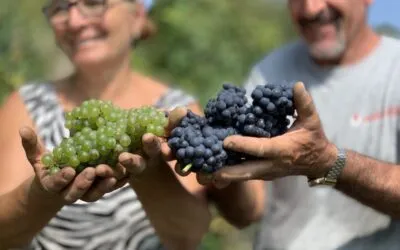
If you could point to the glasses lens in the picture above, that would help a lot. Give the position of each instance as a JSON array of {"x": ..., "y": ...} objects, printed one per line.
[
  {"x": 92, "y": 8},
  {"x": 57, "y": 10}
]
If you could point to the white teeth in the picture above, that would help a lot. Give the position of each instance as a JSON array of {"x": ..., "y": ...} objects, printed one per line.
[{"x": 86, "y": 41}]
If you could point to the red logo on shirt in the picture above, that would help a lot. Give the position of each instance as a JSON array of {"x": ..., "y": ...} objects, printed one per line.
[{"x": 357, "y": 119}]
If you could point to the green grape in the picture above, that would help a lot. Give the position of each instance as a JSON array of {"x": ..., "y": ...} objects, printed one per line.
[
  {"x": 122, "y": 125},
  {"x": 111, "y": 142},
  {"x": 69, "y": 116},
  {"x": 85, "y": 104},
  {"x": 103, "y": 150},
  {"x": 77, "y": 124},
  {"x": 94, "y": 154},
  {"x": 73, "y": 161},
  {"x": 47, "y": 160},
  {"x": 86, "y": 131},
  {"x": 81, "y": 139},
  {"x": 76, "y": 112},
  {"x": 159, "y": 131},
  {"x": 92, "y": 136},
  {"x": 53, "y": 170},
  {"x": 69, "y": 124},
  {"x": 85, "y": 124},
  {"x": 101, "y": 130},
  {"x": 100, "y": 122},
  {"x": 94, "y": 111},
  {"x": 118, "y": 148},
  {"x": 125, "y": 140},
  {"x": 110, "y": 131},
  {"x": 113, "y": 116},
  {"x": 102, "y": 139},
  {"x": 106, "y": 108},
  {"x": 78, "y": 134},
  {"x": 86, "y": 145},
  {"x": 151, "y": 128},
  {"x": 69, "y": 151},
  {"x": 83, "y": 156},
  {"x": 118, "y": 133},
  {"x": 57, "y": 154},
  {"x": 85, "y": 112},
  {"x": 69, "y": 141}
]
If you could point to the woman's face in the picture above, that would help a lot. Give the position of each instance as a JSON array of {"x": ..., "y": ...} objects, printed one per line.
[{"x": 95, "y": 32}]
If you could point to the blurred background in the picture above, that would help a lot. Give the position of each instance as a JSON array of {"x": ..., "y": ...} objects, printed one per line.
[{"x": 198, "y": 46}]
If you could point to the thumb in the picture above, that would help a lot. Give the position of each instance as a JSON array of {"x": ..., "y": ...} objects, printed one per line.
[
  {"x": 31, "y": 145},
  {"x": 303, "y": 102},
  {"x": 174, "y": 118}
]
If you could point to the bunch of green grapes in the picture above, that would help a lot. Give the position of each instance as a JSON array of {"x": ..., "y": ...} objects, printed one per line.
[{"x": 100, "y": 132}]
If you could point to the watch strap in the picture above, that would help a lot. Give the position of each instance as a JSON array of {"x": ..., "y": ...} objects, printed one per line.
[{"x": 333, "y": 174}]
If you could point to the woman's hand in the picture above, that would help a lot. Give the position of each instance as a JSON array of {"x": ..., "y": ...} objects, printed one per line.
[
  {"x": 66, "y": 186},
  {"x": 152, "y": 159}
]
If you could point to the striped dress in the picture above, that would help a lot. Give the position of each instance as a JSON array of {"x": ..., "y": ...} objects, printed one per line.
[{"x": 115, "y": 222}]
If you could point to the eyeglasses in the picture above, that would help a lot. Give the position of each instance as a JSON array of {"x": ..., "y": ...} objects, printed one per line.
[{"x": 58, "y": 11}]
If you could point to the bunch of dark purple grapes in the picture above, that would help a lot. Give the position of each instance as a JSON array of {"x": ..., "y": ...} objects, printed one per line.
[
  {"x": 268, "y": 114},
  {"x": 198, "y": 141},
  {"x": 199, "y": 147}
]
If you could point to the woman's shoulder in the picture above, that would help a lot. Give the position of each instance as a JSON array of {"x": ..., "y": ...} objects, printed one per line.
[{"x": 14, "y": 111}]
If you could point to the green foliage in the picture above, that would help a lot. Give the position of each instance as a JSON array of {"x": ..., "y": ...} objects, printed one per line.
[
  {"x": 20, "y": 58},
  {"x": 201, "y": 44},
  {"x": 388, "y": 30}
]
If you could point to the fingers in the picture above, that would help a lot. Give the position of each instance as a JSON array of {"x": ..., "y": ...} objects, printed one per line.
[
  {"x": 174, "y": 117},
  {"x": 166, "y": 152},
  {"x": 204, "y": 179},
  {"x": 151, "y": 145},
  {"x": 134, "y": 164},
  {"x": 104, "y": 171},
  {"x": 303, "y": 101},
  {"x": 31, "y": 145},
  {"x": 80, "y": 185},
  {"x": 259, "y": 147},
  {"x": 251, "y": 170},
  {"x": 99, "y": 188},
  {"x": 57, "y": 182}
]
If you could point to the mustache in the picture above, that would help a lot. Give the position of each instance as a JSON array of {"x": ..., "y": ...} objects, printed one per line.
[{"x": 323, "y": 17}]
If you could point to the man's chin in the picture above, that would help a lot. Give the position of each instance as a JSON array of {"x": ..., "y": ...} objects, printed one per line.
[{"x": 333, "y": 52}]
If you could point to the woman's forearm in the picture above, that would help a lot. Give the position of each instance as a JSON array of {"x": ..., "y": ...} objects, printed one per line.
[
  {"x": 24, "y": 211},
  {"x": 180, "y": 218}
]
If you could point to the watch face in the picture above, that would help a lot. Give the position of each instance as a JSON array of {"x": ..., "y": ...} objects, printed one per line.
[{"x": 320, "y": 182}]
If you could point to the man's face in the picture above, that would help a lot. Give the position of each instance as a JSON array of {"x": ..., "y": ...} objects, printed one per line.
[{"x": 329, "y": 25}]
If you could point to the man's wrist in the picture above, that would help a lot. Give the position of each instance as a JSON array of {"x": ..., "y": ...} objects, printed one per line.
[{"x": 325, "y": 162}]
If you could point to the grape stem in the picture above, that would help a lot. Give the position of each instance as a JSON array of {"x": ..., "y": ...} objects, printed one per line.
[{"x": 186, "y": 168}]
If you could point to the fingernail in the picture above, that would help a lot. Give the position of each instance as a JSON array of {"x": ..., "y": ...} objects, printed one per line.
[
  {"x": 127, "y": 162},
  {"x": 89, "y": 175}
]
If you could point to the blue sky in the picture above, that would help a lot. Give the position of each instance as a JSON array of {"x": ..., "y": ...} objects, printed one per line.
[{"x": 385, "y": 11}]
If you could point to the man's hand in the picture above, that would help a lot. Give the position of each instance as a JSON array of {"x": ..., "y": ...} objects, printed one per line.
[{"x": 303, "y": 150}]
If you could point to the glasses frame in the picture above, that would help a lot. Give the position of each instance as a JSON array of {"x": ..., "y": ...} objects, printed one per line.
[{"x": 106, "y": 5}]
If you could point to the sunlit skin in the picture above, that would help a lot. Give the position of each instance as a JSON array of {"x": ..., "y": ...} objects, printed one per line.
[
  {"x": 96, "y": 41},
  {"x": 336, "y": 31}
]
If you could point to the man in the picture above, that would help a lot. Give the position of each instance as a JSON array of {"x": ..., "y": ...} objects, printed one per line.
[{"x": 353, "y": 76}]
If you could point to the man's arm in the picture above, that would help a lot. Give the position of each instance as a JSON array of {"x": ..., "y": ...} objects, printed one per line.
[
  {"x": 305, "y": 151},
  {"x": 373, "y": 183}
]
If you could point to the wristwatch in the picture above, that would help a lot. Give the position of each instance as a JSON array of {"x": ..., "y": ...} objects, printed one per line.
[{"x": 333, "y": 174}]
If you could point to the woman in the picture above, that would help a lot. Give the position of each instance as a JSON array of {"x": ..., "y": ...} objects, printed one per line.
[{"x": 59, "y": 211}]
